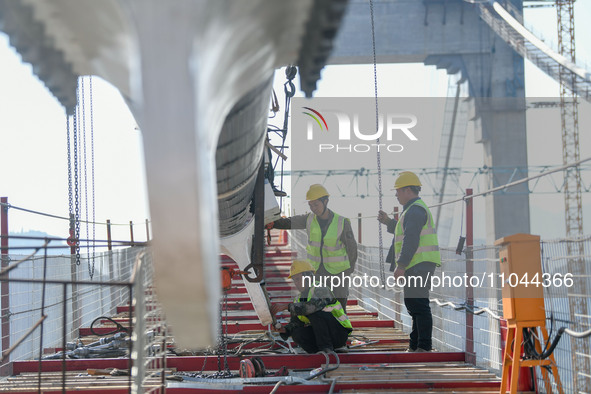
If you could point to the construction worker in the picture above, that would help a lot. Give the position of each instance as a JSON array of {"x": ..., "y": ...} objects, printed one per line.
[
  {"x": 414, "y": 253},
  {"x": 332, "y": 249},
  {"x": 318, "y": 321}
]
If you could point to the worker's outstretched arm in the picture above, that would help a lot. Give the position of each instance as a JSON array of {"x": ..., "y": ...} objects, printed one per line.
[
  {"x": 322, "y": 298},
  {"x": 294, "y": 222}
]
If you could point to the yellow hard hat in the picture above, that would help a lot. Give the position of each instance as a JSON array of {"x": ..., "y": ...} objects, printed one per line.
[
  {"x": 299, "y": 266},
  {"x": 315, "y": 192},
  {"x": 406, "y": 178}
]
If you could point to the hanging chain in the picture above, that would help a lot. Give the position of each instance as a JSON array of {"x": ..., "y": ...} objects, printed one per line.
[
  {"x": 223, "y": 344},
  {"x": 92, "y": 174},
  {"x": 378, "y": 156},
  {"x": 226, "y": 335},
  {"x": 76, "y": 191},
  {"x": 289, "y": 90},
  {"x": 70, "y": 202},
  {"x": 84, "y": 160}
]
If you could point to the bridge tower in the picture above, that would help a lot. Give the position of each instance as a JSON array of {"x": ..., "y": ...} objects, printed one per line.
[{"x": 450, "y": 34}]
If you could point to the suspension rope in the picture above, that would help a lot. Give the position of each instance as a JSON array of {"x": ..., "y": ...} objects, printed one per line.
[
  {"x": 76, "y": 173},
  {"x": 8, "y": 205},
  {"x": 378, "y": 156},
  {"x": 518, "y": 182},
  {"x": 289, "y": 90},
  {"x": 92, "y": 174},
  {"x": 85, "y": 161},
  {"x": 70, "y": 200}
]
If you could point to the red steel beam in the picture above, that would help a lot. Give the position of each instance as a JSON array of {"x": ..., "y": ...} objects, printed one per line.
[
  {"x": 235, "y": 327},
  {"x": 275, "y": 361},
  {"x": 318, "y": 388}
]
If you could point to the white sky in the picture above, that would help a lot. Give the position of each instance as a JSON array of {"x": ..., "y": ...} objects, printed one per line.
[{"x": 33, "y": 166}]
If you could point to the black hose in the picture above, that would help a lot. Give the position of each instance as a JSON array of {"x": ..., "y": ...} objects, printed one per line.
[
  {"x": 119, "y": 327},
  {"x": 326, "y": 368}
]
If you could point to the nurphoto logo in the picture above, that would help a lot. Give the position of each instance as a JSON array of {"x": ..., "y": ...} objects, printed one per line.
[
  {"x": 351, "y": 136},
  {"x": 316, "y": 119}
]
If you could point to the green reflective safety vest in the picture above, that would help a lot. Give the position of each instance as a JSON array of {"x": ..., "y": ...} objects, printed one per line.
[
  {"x": 335, "y": 309},
  {"x": 428, "y": 249},
  {"x": 330, "y": 251}
]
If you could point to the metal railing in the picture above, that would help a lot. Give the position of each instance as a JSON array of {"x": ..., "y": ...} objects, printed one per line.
[
  {"x": 51, "y": 299},
  {"x": 36, "y": 289}
]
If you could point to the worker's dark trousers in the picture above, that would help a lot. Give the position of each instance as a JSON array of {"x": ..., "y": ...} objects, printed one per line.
[
  {"x": 323, "y": 332},
  {"x": 416, "y": 299}
]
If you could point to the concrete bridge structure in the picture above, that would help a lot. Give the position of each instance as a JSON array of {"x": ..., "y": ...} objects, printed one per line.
[{"x": 450, "y": 34}]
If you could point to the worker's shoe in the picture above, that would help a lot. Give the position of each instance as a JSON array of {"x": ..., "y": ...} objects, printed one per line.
[
  {"x": 342, "y": 349},
  {"x": 326, "y": 350},
  {"x": 421, "y": 350},
  {"x": 410, "y": 350}
]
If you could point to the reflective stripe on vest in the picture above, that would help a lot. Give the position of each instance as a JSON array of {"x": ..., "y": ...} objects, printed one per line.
[
  {"x": 335, "y": 309},
  {"x": 428, "y": 249},
  {"x": 333, "y": 253}
]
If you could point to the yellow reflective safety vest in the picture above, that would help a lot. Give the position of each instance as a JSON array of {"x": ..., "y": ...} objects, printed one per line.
[
  {"x": 335, "y": 309},
  {"x": 428, "y": 249},
  {"x": 330, "y": 250}
]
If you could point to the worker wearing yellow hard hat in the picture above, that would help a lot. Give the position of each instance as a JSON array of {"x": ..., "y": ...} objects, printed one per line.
[
  {"x": 300, "y": 266},
  {"x": 331, "y": 249},
  {"x": 414, "y": 253},
  {"x": 318, "y": 321}
]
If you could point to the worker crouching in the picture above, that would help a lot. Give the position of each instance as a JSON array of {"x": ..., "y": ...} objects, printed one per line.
[{"x": 318, "y": 322}]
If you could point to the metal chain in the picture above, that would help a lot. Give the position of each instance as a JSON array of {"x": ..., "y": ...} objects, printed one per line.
[
  {"x": 70, "y": 202},
  {"x": 223, "y": 344},
  {"x": 76, "y": 194},
  {"x": 221, "y": 334},
  {"x": 289, "y": 90},
  {"x": 85, "y": 160},
  {"x": 92, "y": 174},
  {"x": 378, "y": 156},
  {"x": 226, "y": 335}
]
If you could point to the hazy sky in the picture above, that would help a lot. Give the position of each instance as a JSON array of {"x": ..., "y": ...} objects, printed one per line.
[{"x": 33, "y": 165}]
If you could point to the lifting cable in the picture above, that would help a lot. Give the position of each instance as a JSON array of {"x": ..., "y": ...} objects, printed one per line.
[
  {"x": 76, "y": 213},
  {"x": 72, "y": 237},
  {"x": 378, "y": 157},
  {"x": 289, "y": 90},
  {"x": 84, "y": 161},
  {"x": 91, "y": 269},
  {"x": 222, "y": 348}
]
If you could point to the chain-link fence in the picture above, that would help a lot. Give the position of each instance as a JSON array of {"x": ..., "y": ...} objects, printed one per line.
[
  {"x": 36, "y": 288},
  {"x": 149, "y": 336},
  {"x": 54, "y": 310}
]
